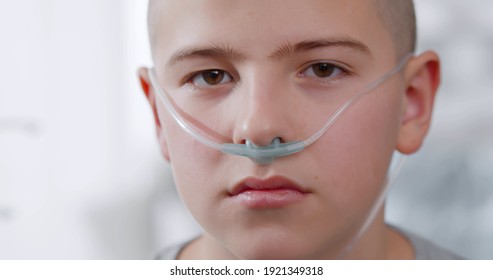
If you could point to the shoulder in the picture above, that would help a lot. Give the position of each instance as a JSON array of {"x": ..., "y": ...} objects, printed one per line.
[
  {"x": 426, "y": 250},
  {"x": 172, "y": 252}
]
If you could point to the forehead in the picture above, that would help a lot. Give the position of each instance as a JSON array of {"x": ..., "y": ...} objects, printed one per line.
[{"x": 257, "y": 27}]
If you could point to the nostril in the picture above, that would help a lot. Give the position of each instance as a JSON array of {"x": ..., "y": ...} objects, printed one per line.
[{"x": 275, "y": 142}]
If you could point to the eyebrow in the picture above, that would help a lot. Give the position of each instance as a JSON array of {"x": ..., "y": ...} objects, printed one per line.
[
  {"x": 226, "y": 52},
  {"x": 288, "y": 48},
  {"x": 215, "y": 51}
]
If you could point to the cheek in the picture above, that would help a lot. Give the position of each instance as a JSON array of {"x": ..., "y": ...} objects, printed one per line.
[
  {"x": 356, "y": 151},
  {"x": 191, "y": 161},
  {"x": 182, "y": 148},
  {"x": 194, "y": 168}
]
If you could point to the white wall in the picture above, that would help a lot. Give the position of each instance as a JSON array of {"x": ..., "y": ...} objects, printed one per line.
[
  {"x": 80, "y": 172},
  {"x": 445, "y": 192},
  {"x": 78, "y": 164}
]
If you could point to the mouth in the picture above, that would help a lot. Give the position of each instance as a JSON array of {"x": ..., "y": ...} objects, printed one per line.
[{"x": 274, "y": 192}]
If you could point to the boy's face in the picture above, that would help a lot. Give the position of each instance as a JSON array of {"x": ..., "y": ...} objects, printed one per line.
[{"x": 271, "y": 92}]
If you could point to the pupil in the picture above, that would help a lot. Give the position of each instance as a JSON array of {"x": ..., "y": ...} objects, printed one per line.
[
  {"x": 323, "y": 69},
  {"x": 213, "y": 77}
]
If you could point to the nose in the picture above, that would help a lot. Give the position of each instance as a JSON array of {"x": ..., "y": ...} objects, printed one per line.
[{"x": 265, "y": 112}]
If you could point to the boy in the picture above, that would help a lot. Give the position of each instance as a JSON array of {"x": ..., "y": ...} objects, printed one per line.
[{"x": 263, "y": 77}]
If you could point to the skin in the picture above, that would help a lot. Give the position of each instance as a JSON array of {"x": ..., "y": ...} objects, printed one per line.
[
  {"x": 398, "y": 18},
  {"x": 343, "y": 172}
]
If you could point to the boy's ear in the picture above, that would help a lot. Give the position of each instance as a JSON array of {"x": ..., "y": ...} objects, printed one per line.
[
  {"x": 151, "y": 97},
  {"x": 422, "y": 78}
]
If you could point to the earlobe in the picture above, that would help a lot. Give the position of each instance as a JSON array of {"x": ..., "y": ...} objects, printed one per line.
[
  {"x": 422, "y": 78},
  {"x": 151, "y": 98}
]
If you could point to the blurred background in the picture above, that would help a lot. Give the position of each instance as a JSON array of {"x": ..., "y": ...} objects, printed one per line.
[{"x": 81, "y": 175}]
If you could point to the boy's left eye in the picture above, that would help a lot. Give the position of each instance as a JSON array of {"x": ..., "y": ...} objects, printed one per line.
[{"x": 322, "y": 70}]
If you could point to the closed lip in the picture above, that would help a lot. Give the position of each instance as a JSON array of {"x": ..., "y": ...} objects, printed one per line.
[{"x": 271, "y": 183}]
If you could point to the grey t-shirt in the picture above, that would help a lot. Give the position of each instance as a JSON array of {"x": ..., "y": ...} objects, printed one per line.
[{"x": 423, "y": 249}]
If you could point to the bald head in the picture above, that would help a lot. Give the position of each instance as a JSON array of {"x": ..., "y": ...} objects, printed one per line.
[
  {"x": 397, "y": 16},
  {"x": 153, "y": 14}
]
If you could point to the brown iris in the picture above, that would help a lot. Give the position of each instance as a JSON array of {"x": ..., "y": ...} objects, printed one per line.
[
  {"x": 213, "y": 77},
  {"x": 323, "y": 70}
]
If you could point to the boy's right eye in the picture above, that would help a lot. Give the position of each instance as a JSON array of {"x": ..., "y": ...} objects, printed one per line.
[{"x": 211, "y": 77}]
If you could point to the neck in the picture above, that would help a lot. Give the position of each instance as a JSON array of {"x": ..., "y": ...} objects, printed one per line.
[{"x": 379, "y": 242}]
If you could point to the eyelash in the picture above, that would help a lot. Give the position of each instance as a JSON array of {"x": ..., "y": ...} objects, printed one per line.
[
  {"x": 341, "y": 72},
  {"x": 223, "y": 74},
  {"x": 189, "y": 81}
]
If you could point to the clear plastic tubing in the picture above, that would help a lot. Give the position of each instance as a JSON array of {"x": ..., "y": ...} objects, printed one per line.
[{"x": 267, "y": 154}]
